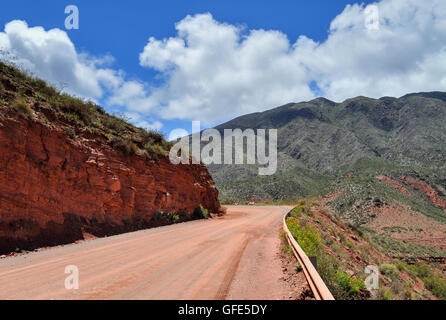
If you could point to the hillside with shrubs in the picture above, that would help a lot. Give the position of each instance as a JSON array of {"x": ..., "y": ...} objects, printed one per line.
[{"x": 344, "y": 250}]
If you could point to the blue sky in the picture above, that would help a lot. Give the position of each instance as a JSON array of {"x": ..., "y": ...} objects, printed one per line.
[
  {"x": 122, "y": 29},
  {"x": 132, "y": 22}
]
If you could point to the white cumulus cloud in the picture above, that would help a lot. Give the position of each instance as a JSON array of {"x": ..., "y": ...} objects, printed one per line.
[
  {"x": 51, "y": 55},
  {"x": 215, "y": 71},
  {"x": 395, "y": 59}
]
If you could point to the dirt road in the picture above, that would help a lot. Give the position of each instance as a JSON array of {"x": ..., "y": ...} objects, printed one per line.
[{"x": 231, "y": 257}]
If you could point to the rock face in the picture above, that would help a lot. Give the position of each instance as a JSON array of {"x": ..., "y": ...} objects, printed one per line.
[
  {"x": 430, "y": 192},
  {"x": 54, "y": 189}
]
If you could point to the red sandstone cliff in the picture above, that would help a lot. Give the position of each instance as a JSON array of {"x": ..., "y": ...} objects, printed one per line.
[
  {"x": 53, "y": 188},
  {"x": 61, "y": 176}
]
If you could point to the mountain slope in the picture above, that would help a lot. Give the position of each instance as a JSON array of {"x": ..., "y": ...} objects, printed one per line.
[
  {"x": 321, "y": 137},
  {"x": 344, "y": 251},
  {"x": 380, "y": 160}
]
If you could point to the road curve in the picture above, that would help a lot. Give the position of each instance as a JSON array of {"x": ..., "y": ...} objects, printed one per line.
[{"x": 230, "y": 257}]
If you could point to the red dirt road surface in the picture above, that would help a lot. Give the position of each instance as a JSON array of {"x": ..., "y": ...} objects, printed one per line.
[{"x": 230, "y": 257}]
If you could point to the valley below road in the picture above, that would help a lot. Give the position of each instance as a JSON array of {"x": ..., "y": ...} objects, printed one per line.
[{"x": 236, "y": 256}]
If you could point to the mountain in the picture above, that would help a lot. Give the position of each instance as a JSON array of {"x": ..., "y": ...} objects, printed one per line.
[
  {"x": 321, "y": 140},
  {"x": 69, "y": 170},
  {"x": 379, "y": 165},
  {"x": 368, "y": 179}
]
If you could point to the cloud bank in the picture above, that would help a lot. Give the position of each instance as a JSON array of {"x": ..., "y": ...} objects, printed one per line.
[
  {"x": 51, "y": 55},
  {"x": 214, "y": 71}
]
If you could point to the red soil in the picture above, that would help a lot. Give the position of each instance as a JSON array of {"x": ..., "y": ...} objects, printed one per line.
[
  {"x": 430, "y": 192},
  {"x": 230, "y": 257},
  {"x": 395, "y": 184},
  {"x": 409, "y": 225},
  {"x": 352, "y": 257}
]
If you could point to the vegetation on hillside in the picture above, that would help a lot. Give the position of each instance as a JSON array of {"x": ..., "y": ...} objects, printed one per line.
[
  {"x": 282, "y": 186},
  {"x": 30, "y": 98},
  {"x": 344, "y": 250},
  {"x": 320, "y": 141},
  {"x": 340, "y": 283},
  {"x": 363, "y": 191}
]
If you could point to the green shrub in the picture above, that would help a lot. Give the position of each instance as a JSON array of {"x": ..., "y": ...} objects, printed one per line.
[
  {"x": 201, "y": 212},
  {"x": 401, "y": 266},
  {"x": 151, "y": 137},
  {"x": 436, "y": 285},
  {"x": 349, "y": 244},
  {"x": 166, "y": 217},
  {"x": 285, "y": 245},
  {"x": 421, "y": 270},
  {"x": 154, "y": 148},
  {"x": 432, "y": 281},
  {"x": 327, "y": 267},
  {"x": 306, "y": 236},
  {"x": 114, "y": 123},
  {"x": 125, "y": 145},
  {"x": 389, "y": 270},
  {"x": 50, "y": 91},
  {"x": 339, "y": 283},
  {"x": 385, "y": 294},
  {"x": 86, "y": 111},
  {"x": 158, "y": 216},
  {"x": 342, "y": 237},
  {"x": 351, "y": 285},
  {"x": 22, "y": 108},
  {"x": 299, "y": 210},
  {"x": 42, "y": 87}
]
